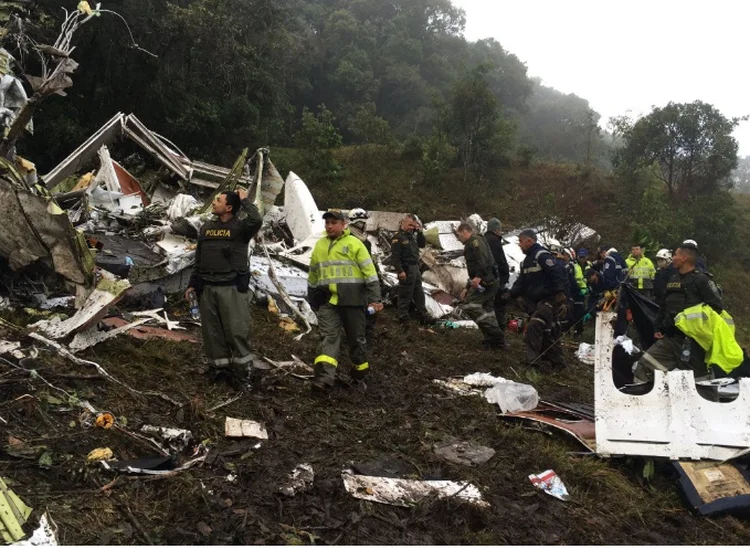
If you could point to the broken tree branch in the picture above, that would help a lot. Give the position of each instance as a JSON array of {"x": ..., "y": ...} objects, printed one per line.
[{"x": 62, "y": 351}]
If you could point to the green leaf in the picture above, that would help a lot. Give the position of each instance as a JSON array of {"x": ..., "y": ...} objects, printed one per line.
[
  {"x": 648, "y": 469},
  {"x": 45, "y": 460}
]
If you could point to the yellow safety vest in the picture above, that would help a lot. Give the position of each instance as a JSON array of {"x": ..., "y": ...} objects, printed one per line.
[
  {"x": 642, "y": 272},
  {"x": 344, "y": 267},
  {"x": 714, "y": 333}
]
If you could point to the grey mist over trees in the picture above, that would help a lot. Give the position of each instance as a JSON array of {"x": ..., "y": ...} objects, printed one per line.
[{"x": 235, "y": 73}]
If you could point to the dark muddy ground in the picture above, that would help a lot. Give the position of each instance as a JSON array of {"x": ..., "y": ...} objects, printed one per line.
[{"x": 401, "y": 414}]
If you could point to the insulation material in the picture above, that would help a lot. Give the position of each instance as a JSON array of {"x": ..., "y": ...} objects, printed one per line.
[{"x": 408, "y": 492}]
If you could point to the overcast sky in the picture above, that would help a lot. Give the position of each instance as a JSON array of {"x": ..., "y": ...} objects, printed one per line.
[{"x": 628, "y": 56}]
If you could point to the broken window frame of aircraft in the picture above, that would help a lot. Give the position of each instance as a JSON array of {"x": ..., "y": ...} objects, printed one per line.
[{"x": 673, "y": 420}]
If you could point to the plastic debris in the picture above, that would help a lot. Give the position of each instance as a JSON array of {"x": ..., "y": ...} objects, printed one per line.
[
  {"x": 176, "y": 439},
  {"x": 512, "y": 397},
  {"x": 13, "y": 514},
  {"x": 549, "y": 482},
  {"x": 464, "y": 453},
  {"x": 44, "y": 536},
  {"x": 300, "y": 480},
  {"x": 100, "y": 454},
  {"x": 244, "y": 428},
  {"x": 586, "y": 353},
  {"x": 626, "y": 343},
  {"x": 408, "y": 492}
]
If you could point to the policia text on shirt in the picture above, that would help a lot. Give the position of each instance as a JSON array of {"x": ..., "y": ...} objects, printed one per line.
[{"x": 221, "y": 279}]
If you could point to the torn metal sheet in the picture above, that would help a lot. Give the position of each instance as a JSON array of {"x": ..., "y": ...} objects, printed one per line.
[
  {"x": 302, "y": 215},
  {"x": 93, "y": 336},
  {"x": 244, "y": 428},
  {"x": 44, "y": 536},
  {"x": 179, "y": 251},
  {"x": 33, "y": 227},
  {"x": 176, "y": 439},
  {"x": 106, "y": 294},
  {"x": 77, "y": 160},
  {"x": 149, "y": 332},
  {"x": 407, "y": 492},
  {"x": 713, "y": 488},
  {"x": 389, "y": 221},
  {"x": 300, "y": 480},
  {"x": 672, "y": 420},
  {"x": 292, "y": 278},
  {"x": 579, "y": 425}
]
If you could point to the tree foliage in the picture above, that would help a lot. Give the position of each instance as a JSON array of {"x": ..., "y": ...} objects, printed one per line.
[
  {"x": 689, "y": 146},
  {"x": 235, "y": 73}
]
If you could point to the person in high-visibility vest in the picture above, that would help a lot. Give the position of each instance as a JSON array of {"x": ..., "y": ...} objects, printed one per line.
[
  {"x": 342, "y": 285},
  {"x": 642, "y": 271}
]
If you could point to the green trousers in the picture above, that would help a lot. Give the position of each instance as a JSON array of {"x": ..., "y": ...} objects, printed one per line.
[
  {"x": 333, "y": 322},
  {"x": 410, "y": 290},
  {"x": 665, "y": 354},
  {"x": 480, "y": 306},
  {"x": 225, "y": 319}
]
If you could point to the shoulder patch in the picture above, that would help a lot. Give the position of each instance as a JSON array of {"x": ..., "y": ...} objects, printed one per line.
[
  {"x": 476, "y": 243},
  {"x": 394, "y": 241},
  {"x": 550, "y": 262}
]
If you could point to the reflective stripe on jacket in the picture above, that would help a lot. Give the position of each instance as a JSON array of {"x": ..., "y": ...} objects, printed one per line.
[
  {"x": 642, "y": 272},
  {"x": 714, "y": 332},
  {"x": 346, "y": 270}
]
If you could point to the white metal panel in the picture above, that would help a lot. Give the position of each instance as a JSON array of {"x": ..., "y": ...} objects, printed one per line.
[{"x": 672, "y": 420}]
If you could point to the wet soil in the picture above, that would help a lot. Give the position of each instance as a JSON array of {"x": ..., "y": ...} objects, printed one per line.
[{"x": 234, "y": 498}]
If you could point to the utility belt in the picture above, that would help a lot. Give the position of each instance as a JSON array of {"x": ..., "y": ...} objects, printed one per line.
[{"x": 241, "y": 282}]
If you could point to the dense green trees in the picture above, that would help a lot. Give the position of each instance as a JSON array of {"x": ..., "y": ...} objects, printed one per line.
[
  {"x": 236, "y": 73},
  {"x": 689, "y": 147}
]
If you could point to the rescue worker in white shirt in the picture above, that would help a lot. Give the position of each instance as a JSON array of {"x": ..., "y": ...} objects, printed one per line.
[{"x": 641, "y": 271}]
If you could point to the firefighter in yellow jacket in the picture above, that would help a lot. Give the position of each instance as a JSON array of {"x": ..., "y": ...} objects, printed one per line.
[{"x": 342, "y": 285}]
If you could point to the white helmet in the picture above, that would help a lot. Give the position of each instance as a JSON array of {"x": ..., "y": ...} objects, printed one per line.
[
  {"x": 664, "y": 254},
  {"x": 572, "y": 253},
  {"x": 690, "y": 241},
  {"x": 357, "y": 213}
]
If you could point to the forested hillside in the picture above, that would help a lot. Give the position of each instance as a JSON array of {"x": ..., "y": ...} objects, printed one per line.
[{"x": 226, "y": 74}]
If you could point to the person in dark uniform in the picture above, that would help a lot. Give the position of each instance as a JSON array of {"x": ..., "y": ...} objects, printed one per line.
[
  {"x": 479, "y": 294},
  {"x": 543, "y": 284},
  {"x": 405, "y": 246},
  {"x": 564, "y": 260},
  {"x": 221, "y": 279},
  {"x": 686, "y": 287},
  {"x": 664, "y": 272},
  {"x": 494, "y": 239}
]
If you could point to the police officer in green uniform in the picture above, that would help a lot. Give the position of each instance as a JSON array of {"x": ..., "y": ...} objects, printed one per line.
[
  {"x": 686, "y": 287},
  {"x": 405, "y": 247},
  {"x": 479, "y": 295},
  {"x": 342, "y": 285},
  {"x": 221, "y": 278}
]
